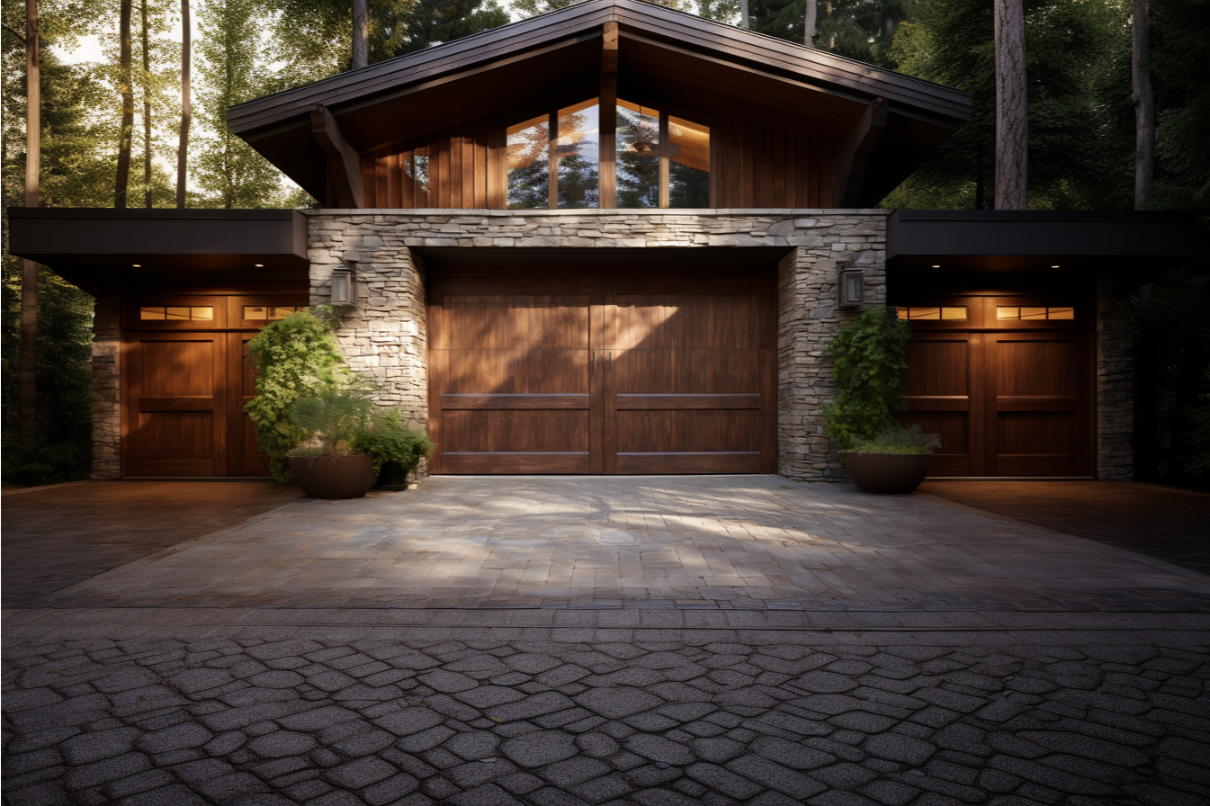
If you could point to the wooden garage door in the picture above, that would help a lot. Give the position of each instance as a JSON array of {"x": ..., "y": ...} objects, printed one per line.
[
  {"x": 187, "y": 375},
  {"x": 638, "y": 371},
  {"x": 1006, "y": 383}
]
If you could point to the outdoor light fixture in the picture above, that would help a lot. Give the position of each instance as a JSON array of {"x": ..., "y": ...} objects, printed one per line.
[
  {"x": 936, "y": 265},
  {"x": 136, "y": 265},
  {"x": 344, "y": 285},
  {"x": 1055, "y": 266},
  {"x": 259, "y": 265},
  {"x": 851, "y": 283}
]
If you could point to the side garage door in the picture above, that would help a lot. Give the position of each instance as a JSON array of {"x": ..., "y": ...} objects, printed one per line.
[
  {"x": 1006, "y": 383},
  {"x": 616, "y": 371}
]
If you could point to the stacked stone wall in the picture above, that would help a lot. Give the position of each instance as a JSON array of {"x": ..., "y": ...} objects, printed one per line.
[
  {"x": 106, "y": 387},
  {"x": 385, "y": 337},
  {"x": 1114, "y": 383}
]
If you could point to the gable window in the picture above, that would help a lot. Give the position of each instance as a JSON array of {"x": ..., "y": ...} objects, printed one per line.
[{"x": 555, "y": 161}]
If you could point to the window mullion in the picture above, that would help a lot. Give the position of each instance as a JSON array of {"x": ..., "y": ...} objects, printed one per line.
[
  {"x": 554, "y": 160},
  {"x": 664, "y": 159}
]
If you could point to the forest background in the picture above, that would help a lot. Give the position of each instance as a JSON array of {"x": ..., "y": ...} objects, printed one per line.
[{"x": 1081, "y": 150}]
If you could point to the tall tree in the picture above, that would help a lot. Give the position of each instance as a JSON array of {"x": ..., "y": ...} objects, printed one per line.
[
  {"x": 361, "y": 31},
  {"x": 126, "y": 89},
  {"x": 745, "y": 21},
  {"x": 29, "y": 269},
  {"x": 1144, "y": 106},
  {"x": 1012, "y": 109},
  {"x": 182, "y": 149},
  {"x": 809, "y": 31},
  {"x": 147, "y": 90}
]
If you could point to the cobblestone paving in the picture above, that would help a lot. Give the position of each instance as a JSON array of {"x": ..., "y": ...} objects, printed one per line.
[
  {"x": 759, "y": 542},
  {"x": 473, "y": 714}
]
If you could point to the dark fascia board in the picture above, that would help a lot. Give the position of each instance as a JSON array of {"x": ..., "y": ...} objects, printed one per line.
[
  {"x": 438, "y": 257},
  {"x": 917, "y": 234},
  {"x": 769, "y": 53},
  {"x": 66, "y": 231}
]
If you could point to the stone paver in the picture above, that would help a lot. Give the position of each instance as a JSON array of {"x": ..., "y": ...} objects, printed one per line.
[
  {"x": 57, "y": 536},
  {"x": 746, "y": 542},
  {"x": 1031, "y": 712}
]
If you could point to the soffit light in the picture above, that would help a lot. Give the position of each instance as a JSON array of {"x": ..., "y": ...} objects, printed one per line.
[
  {"x": 259, "y": 265},
  {"x": 136, "y": 265},
  {"x": 936, "y": 265},
  {"x": 1055, "y": 266}
]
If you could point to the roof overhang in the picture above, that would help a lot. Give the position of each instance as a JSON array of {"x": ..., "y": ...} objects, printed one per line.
[
  {"x": 99, "y": 248},
  {"x": 664, "y": 55},
  {"x": 1017, "y": 240}
]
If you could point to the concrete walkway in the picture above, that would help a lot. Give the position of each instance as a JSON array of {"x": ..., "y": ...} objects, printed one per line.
[{"x": 666, "y": 542}]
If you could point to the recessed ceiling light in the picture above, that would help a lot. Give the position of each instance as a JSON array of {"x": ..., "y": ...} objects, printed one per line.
[
  {"x": 137, "y": 265},
  {"x": 1055, "y": 266},
  {"x": 936, "y": 265},
  {"x": 259, "y": 265}
]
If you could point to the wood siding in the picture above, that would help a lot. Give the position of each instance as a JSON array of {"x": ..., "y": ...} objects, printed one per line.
[{"x": 753, "y": 165}]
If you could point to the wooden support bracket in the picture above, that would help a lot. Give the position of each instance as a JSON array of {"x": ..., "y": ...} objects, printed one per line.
[
  {"x": 853, "y": 154},
  {"x": 344, "y": 163}
]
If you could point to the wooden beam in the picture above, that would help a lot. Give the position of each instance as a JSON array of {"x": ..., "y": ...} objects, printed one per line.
[
  {"x": 853, "y": 154},
  {"x": 609, "y": 51},
  {"x": 344, "y": 163}
]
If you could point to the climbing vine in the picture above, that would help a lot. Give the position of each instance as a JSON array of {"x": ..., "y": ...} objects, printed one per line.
[
  {"x": 295, "y": 357},
  {"x": 869, "y": 363}
]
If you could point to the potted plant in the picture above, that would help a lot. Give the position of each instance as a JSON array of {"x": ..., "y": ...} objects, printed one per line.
[
  {"x": 396, "y": 448},
  {"x": 328, "y": 464},
  {"x": 869, "y": 363}
]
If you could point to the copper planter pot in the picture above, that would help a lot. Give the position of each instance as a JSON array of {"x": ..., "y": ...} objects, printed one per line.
[
  {"x": 333, "y": 476},
  {"x": 888, "y": 473}
]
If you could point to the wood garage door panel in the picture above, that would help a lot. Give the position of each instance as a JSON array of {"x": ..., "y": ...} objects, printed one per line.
[
  {"x": 938, "y": 397},
  {"x": 535, "y": 371},
  {"x": 685, "y": 321},
  {"x": 521, "y": 321}
]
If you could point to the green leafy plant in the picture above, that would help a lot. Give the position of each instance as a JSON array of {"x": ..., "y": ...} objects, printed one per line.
[
  {"x": 390, "y": 439},
  {"x": 869, "y": 363},
  {"x": 332, "y": 420},
  {"x": 294, "y": 358},
  {"x": 897, "y": 439}
]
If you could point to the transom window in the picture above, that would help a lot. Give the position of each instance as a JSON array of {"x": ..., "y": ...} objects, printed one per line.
[
  {"x": 932, "y": 312},
  {"x": 1034, "y": 313},
  {"x": 656, "y": 160},
  {"x": 269, "y": 313},
  {"x": 174, "y": 313}
]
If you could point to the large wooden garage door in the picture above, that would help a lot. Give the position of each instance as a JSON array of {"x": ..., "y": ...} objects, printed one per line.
[
  {"x": 1006, "y": 383},
  {"x": 636, "y": 371},
  {"x": 187, "y": 375}
]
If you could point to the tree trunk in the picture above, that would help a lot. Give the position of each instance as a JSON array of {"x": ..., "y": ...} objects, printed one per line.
[
  {"x": 1012, "y": 126},
  {"x": 743, "y": 14},
  {"x": 361, "y": 55},
  {"x": 182, "y": 150},
  {"x": 127, "y": 90},
  {"x": 808, "y": 38},
  {"x": 28, "y": 354},
  {"x": 1144, "y": 107},
  {"x": 146, "y": 108}
]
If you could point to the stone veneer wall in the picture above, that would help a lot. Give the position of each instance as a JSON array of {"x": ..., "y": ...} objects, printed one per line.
[
  {"x": 106, "y": 388},
  {"x": 385, "y": 337},
  {"x": 1114, "y": 384}
]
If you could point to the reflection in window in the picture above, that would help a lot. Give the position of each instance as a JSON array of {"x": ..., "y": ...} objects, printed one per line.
[
  {"x": 416, "y": 171},
  {"x": 932, "y": 312},
  {"x": 688, "y": 163},
  {"x": 638, "y": 156},
  {"x": 578, "y": 151},
  {"x": 172, "y": 313},
  {"x": 271, "y": 313},
  {"x": 1034, "y": 313},
  {"x": 529, "y": 165}
]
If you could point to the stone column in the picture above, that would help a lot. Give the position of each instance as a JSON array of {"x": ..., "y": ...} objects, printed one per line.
[
  {"x": 106, "y": 387},
  {"x": 1114, "y": 384}
]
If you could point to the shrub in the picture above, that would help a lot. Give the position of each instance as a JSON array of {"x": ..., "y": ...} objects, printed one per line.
[
  {"x": 294, "y": 358},
  {"x": 332, "y": 419},
  {"x": 869, "y": 363},
  {"x": 897, "y": 439},
  {"x": 391, "y": 440}
]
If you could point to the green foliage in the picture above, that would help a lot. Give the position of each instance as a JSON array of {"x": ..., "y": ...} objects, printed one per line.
[
  {"x": 898, "y": 440},
  {"x": 858, "y": 29},
  {"x": 869, "y": 362},
  {"x": 294, "y": 358},
  {"x": 390, "y": 439},
  {"x": 46, "y": 462},
  {"x": 332, "y": 418}
]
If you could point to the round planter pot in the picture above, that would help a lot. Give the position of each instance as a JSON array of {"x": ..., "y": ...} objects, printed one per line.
[
  {"x": 393, "y": 477},
  {"x": 888, "y": 473},
  {"x": 333, "y": 476}
]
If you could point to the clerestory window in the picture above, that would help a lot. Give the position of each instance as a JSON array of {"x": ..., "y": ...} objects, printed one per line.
[{"x": 574, "y": 159}]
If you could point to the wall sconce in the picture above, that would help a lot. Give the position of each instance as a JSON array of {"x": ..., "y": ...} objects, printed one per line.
[
  {"x": 851, "y": 283},
  {"x": 344, "y": 285}
]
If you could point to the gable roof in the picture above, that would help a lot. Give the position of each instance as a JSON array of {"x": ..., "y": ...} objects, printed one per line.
[{"x": 559, "y": 54}]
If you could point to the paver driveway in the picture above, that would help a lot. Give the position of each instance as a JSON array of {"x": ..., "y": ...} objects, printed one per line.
[{"x": 723, "y": 541}]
